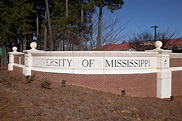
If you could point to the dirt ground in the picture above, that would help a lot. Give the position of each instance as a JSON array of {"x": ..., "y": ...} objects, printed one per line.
[{"x": 36, "y": 100}]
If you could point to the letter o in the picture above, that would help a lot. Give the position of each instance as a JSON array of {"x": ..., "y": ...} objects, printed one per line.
[{"x": 85, "y": 63}]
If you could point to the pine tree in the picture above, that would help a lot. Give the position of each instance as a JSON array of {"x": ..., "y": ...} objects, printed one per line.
[
  {"x": 6, "y": 30},
  {"x": 69, "y": 25},
  {"x": 24, "y": 15},
  {"x": 111, "y": 5}
]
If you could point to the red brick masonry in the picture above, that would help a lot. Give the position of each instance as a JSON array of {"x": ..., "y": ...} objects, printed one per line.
[
  {"x": 16, "y": 59},
  {"x": 177, "y": 83},
  {"x": 17, "y": 69},
  {"x": 175, "y": 62},
  {"x": 136, "y": 85},
  {"x": 176, "y": 77}
]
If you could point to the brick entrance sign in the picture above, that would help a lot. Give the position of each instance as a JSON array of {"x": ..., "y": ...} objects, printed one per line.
[{"x": 151, "y": 73}]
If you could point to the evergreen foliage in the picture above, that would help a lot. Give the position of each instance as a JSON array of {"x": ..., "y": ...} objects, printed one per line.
[{"x": 72, "y": 25}]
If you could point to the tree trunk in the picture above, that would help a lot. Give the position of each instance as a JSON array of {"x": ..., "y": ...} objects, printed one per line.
[
  {"x": 99, "y": 28},
  {"x": 67, "y": 8},
  {"x": 81, "y": 38},
  {"x": 24, "y": 43},
  {"x": 1, "y": 59},
  {"x": 45, "y": 38},
  {"x": 21, "y": 45},
  {"x": 63, "y": 43},
  {"x": 4, "y": 59},
  {"x": 37, "y": 26},
  {"x": 49, "y": 26},
  {"x": 66, "y": 35},
  {"x": 45, "y": 33}
]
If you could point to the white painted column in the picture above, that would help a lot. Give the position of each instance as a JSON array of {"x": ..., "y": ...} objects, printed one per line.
[
  {"x": 28, "y": 64},
  {"x": 163, "y": 72},
  {"x": 11, "y": 58},
  {"x": 11, "y": 61},
  {"x": 28, "y": 59}
]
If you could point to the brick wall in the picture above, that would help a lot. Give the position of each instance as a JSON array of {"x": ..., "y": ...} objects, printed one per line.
[
  {"x": 18, "y": 69},
  {"x": 175, "y": 62},
  {"x": 16, "y": 59},
  {"x": 136, "y": 85},
  {"x": 176, "y": 83}
]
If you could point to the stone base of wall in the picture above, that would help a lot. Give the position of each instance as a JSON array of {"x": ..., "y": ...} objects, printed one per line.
[
  {"x": 176, "y": 83},
  {"x": 135, "y": 85}
]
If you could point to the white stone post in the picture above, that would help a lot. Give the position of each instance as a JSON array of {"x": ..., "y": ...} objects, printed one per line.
[
  {"x": 28, "y": 64},
  {"x": 11, "y": 58},
  {"x": 11, "y": 62},
  {"x": 28, "y": 59},
  {"x": 163, "y": 73}
]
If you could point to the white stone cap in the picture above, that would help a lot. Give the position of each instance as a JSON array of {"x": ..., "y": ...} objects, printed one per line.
[
  {"x": 33, "y": 49},
  {"x": 15, "y": 52},
  {"x": 14, "y": 49},
  {"x": 158, "y": 44},
  {"x": 33, "y": 45}
]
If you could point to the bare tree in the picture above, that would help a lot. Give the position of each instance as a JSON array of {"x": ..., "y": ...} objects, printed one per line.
[
  {"x": 145, "y": 40},
  {"x": 142, "y": 41},
  {"x": 165, "y": 36},
  {"x": 112, "y": 5},
  {"x": 111, "y": 32}
]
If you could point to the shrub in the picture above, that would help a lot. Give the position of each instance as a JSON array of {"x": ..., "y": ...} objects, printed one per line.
[
  {"x": 29, "y": 79},
  {"x": 63, "y": 83},
  {"x": 46, "y": 84}
]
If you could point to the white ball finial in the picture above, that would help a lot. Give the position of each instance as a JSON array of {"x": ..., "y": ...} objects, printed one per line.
[
  {"x": 14, "y": 49},
  {"x": 33, "y": 45},
  {"x": 158, "y": 44}
]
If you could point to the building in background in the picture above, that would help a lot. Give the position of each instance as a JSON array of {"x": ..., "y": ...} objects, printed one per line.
[{"x": 173, "y": 44}]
